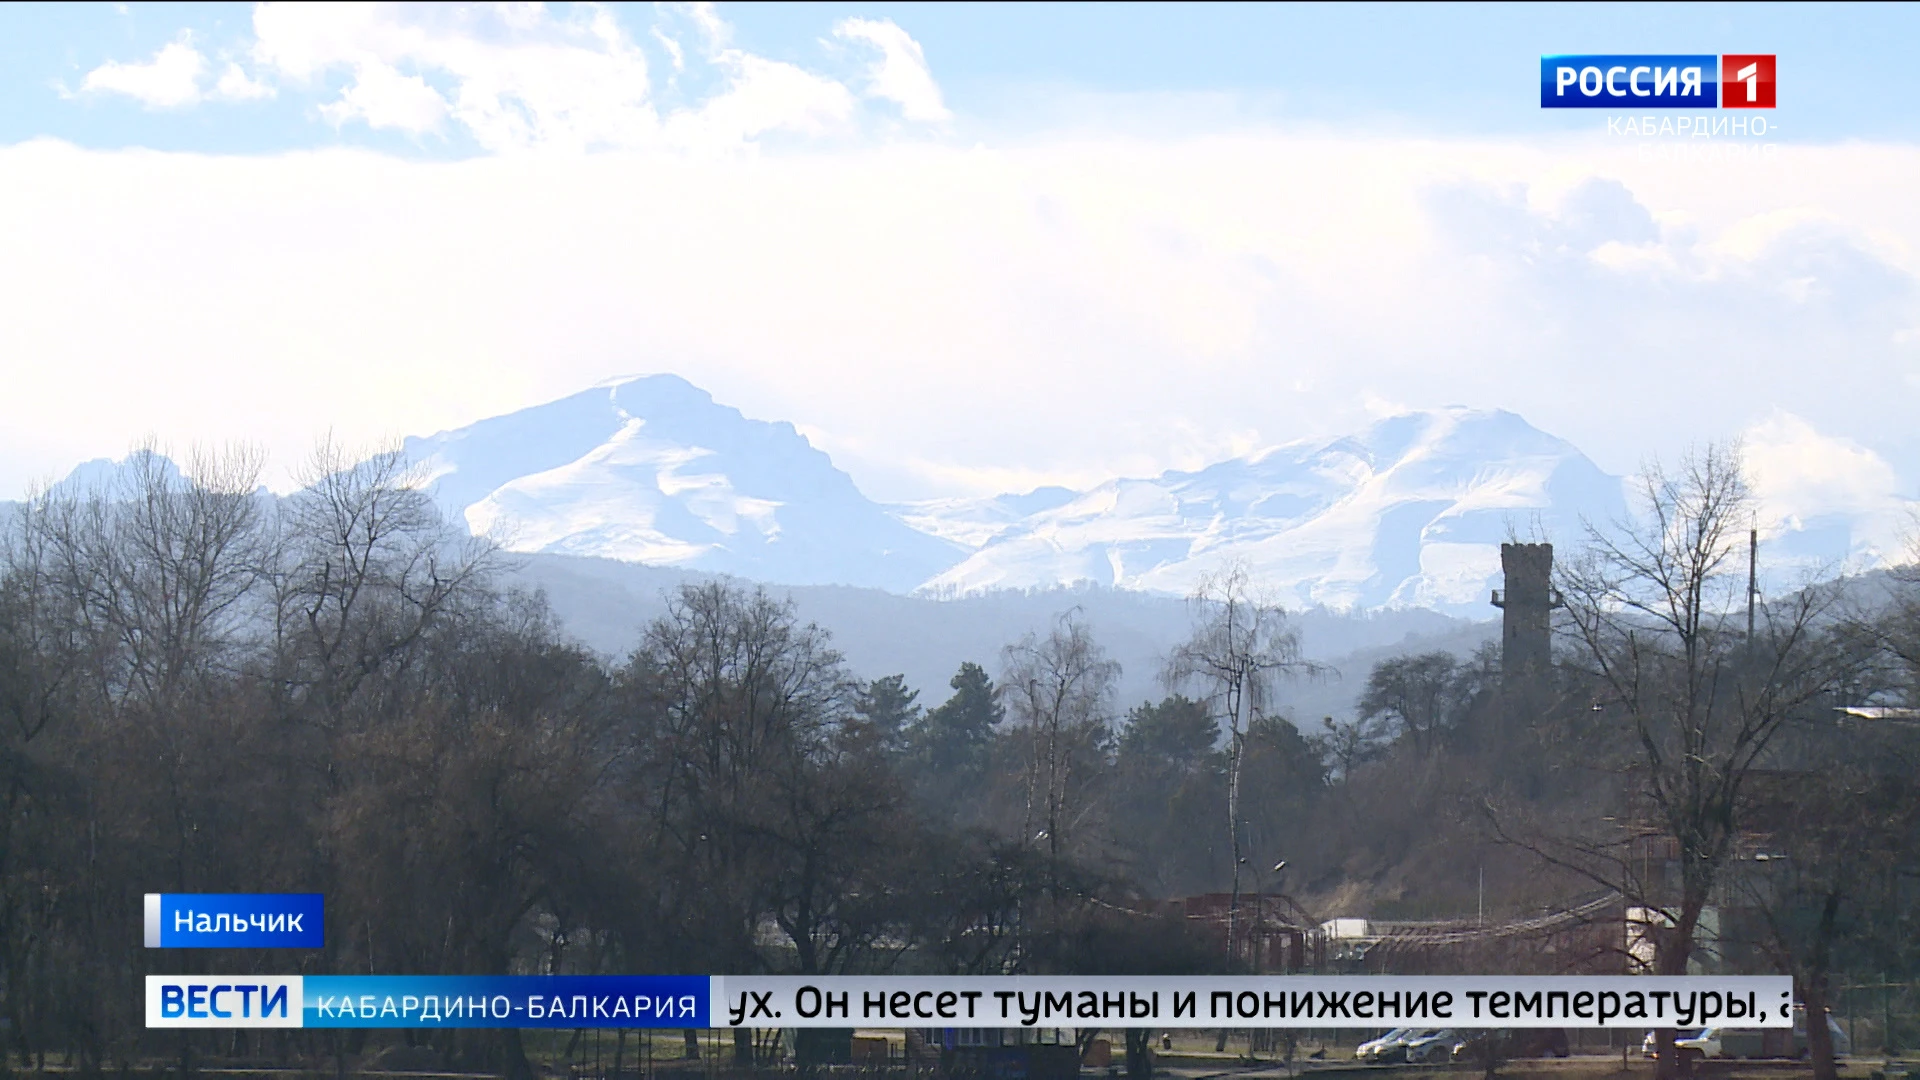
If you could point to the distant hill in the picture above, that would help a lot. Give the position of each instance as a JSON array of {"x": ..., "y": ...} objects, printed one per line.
[
  {"x": 604, "y": 603},
  {"x": 1384, "y": 541}
]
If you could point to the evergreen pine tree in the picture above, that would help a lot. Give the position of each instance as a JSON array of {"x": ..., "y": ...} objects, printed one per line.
[{"x": 952, "y": 743}]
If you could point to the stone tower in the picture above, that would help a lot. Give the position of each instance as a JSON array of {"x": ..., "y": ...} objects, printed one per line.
[{"x": 1526, "y": 605}]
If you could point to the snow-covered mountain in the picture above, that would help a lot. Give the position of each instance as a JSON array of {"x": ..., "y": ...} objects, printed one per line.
[
  {"x": 1410, "y": 513},
  {"x": 652, "y": 470}
]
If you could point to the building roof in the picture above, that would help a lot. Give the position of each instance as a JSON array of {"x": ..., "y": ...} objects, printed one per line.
[{"x": 1879, "y": 712}]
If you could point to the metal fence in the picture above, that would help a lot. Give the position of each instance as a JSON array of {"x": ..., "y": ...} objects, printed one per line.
[{"x": 1881, "y": 1018}]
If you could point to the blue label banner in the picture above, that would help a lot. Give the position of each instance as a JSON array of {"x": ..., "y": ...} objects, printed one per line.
[
  {"x": 1630, "y": 81},
  {"x": 501, "y": 1001},
  {"x": 235, "y": 920}
]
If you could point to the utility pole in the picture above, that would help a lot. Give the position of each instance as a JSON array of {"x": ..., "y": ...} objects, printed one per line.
[{"x": 1753, "y": 576}]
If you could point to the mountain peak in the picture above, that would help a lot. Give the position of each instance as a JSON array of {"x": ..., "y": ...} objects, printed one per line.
[
  {"x": 1409, "y": 512},
  {"x": 105, "y": 475},
  {"x": 652, "y": 469}
]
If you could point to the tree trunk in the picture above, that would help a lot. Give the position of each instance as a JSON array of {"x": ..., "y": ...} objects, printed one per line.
[
  {"x": 1819, "y": 1039},
  {"x": 1813, "y": 992},
  {"x": 1234, "y": 751},
  {"x": 1664, "y": 1065},
  {"x": 1139, "y": 1054},
  {"x": 692, "y": 1036},
  {"x": 516, "y": 1065},
  {"x": 1670, "y": 958}
]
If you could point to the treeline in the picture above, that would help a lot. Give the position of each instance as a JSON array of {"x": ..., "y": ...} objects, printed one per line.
[{"x": 203, "y": 689}]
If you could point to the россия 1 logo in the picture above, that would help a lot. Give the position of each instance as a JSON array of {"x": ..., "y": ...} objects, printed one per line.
[{"x": 1729, "y": 81}]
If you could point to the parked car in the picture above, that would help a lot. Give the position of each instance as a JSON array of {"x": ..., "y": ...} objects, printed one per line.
[
  {"x": 1698, "y": 1044},
  {"x": 1513, "y": 1043},
  {"x": 1650, "y": 1045},
  {"x": 1388, "y": 1048},
  {"x": 1775, "y": 1043},
  {"x": 1704, "y": 1044},
  {"x": 1431, "y": 1048}
]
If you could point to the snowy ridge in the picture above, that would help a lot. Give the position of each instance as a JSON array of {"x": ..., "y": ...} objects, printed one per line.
[
  {"x": 1410, "y": 513},
  {"x": 652, "y": 470},
  {"x": 1407, "y": 514}
]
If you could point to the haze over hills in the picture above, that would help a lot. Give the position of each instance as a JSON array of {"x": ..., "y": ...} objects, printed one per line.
[
  {"x": 1380, "y": 542},
  {"x": 605, "y": 603}
]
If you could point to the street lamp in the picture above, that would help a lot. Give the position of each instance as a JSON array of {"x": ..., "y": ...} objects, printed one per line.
[{"x": 1260, "y": 914}]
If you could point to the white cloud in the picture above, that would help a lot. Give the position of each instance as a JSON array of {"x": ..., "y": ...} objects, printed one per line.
[
  {"x": 381, "y": 97},
  {"x": 764, "y": 96},
  {"x": 900, "y": 74},
  {"x": 713, "y": 29},
  {"x": 516, "y": 76},
  {"x": 168, "y": 81},
  {"x": 236, "y": 85},
  {"x": 520, "y": 77},
  {"x": 675, "y": 54},
  {"x": 954, "y": 318},
  {"x": 1803, "y": 479},
  {"x": 1795, "y": 470}
]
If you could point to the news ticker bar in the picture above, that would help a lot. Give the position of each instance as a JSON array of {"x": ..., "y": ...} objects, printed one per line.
[
  {"x": 235, "y": 920},
  {"x": 703, "y": 1001}
]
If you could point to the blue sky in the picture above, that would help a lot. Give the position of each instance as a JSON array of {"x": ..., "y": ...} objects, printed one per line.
[
  {"x": 965, "y": 248},
  {"x": 1436, "y": 69}
]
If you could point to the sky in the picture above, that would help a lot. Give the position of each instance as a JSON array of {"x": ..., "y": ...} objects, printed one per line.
[{"x": 965, "y": 248}]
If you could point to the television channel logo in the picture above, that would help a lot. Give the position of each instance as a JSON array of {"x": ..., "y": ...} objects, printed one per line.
[
  {"x": 1647, "y": 81},
  {"x": 1746, "y": 81}
]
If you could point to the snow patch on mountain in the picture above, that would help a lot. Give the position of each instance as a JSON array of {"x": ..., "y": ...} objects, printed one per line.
[
  {"x": 972, "y": 522},
  {"x": 653, "y": 470},
  {"x": 1410, "y": 513}
]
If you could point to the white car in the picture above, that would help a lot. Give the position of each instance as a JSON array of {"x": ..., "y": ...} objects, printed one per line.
[
  {"x": 1430, "y": 1047},
  {"x": 1705, "y": 1044},
  {"x": 1387, "y": 1048},
  {"x": 1651, "y": 1042}
]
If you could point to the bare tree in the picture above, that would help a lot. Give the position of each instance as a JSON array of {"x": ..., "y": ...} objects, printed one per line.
[
  {"x": 1838, "y": 837},
  {"x": 737, "y": 707},
  {"x": 367, "y": 567},
  {"x": 1657, "y": 610},
  {"x": 1059, "y": 690},
  {"x": 1240, "y": 649},
  {"x": 153, "y": 566}
]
